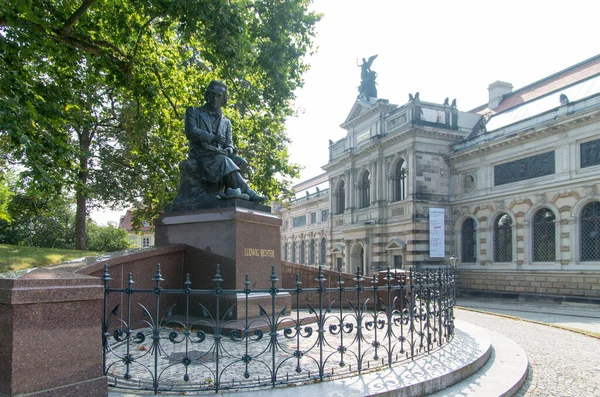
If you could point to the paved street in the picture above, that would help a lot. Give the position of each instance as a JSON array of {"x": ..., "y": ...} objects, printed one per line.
[{"x": 562, "y": 363}]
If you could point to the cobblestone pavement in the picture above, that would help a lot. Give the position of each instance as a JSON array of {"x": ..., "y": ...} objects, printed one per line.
[
  {"x": 562, "y": 363},
  {"x": 581, "y": 316}
]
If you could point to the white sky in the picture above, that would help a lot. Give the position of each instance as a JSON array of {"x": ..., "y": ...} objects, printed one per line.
[{"x": 441, "y": 49}]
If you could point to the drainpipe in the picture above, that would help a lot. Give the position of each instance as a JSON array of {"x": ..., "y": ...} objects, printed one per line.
[{"x": 452, "y": 242}]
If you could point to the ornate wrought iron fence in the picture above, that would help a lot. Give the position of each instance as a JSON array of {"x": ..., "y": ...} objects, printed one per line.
[{"x": 387, "y": 320}]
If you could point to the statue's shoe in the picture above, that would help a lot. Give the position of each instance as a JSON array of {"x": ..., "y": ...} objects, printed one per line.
[
  {"x": 236, "y": 194},
  {"x": 257, "y": 198}
]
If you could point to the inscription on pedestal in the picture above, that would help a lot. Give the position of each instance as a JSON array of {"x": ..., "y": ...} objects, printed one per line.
[{"x": 263, "y": 253}]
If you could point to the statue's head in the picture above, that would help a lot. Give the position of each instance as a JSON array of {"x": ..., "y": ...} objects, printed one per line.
[{"x": 216, "y": 95}]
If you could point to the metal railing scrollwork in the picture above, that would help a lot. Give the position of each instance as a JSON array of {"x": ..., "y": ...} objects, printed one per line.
[{"x": 376, "y": 322}]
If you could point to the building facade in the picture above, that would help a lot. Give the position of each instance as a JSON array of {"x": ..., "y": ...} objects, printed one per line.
[
  {"x": 305, "y": 226},
  {"x": 515, "y": 183},
  {"x": 142, "y": 238}
]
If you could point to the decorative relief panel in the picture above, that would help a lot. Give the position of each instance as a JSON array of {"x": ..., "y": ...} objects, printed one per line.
[
  {"x": 299, "y": 221},
  {"x": 468, "y": 183},
  {"x": 363, "y": 135},
  {"x": 527, "y": 168},
  {"x": 590, "y": 153},
  {"x": 396, "y": 122},
  {"x": 398, "y": 211}
]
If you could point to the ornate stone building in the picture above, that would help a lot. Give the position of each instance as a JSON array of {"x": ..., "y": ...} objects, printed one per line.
[
  {"x": 516, "y": 182},
  {"x": 305, "y": 226}
]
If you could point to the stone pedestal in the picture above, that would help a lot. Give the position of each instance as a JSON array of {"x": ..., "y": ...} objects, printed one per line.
[
  {"x": 243, "y": 238},
  {"x": 50, "y": 334}
]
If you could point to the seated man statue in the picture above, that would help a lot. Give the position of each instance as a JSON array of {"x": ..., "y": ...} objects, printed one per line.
[{"x": 212, "y": 170}]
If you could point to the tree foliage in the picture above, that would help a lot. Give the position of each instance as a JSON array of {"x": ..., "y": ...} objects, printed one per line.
[
  {"x": 5, "y": 197},
  {"x": 39, "y": 222},
  {"x": 92, "y": 93},
  {"x": 36, "y": 221},
  {"x": 107, "y": 238}
]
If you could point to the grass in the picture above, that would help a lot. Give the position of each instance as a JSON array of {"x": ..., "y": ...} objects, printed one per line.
[{"x": 13, "y": 257}]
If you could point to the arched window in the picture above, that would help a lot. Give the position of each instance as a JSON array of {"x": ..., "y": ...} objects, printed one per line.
[
  {"x": 322, "y": 251},
  {"x": 468, "y": 241},
  {"x": 590, "y": 232},
  {"x": 293, "y": 259},
  {"x": 285, "y": 252},
  {"x": 503, "y": 238},
  {"x": 400, "y": 181},
  {"x": 544, "y": 236},
  {"x": 365, "y": 190},
  {"x": 312, "y": 252},
  {"x": 302, "y": 253},
  {"x": 340, "y": 198}
]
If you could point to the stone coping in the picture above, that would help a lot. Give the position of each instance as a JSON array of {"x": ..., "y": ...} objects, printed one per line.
[
  {"x": 44, "y": 285},
  {"x": 93, "y": 264}
]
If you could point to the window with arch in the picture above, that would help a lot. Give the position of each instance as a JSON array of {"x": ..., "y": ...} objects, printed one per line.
[
  {"x": 503, "y": 238},
  {"x": 590, "y": 232},
  {"x": 400, "y": 181},
  {"x": 544, "y": 236},
  {"x": 365, "y": 190},
  {"x": 322, "y": 251},
  {"x": 468, "y": 241},
  {"x": 302, "y": 253},
  {"x": 312, "y": 252},
  {"x": 293, "y": 258},
  {"x": 340, "y": 203}
]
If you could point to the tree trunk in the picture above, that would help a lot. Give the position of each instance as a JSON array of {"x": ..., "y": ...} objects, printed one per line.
[
  {"x": 80, "y": 216},
  {"x": 80, "y": 190}
]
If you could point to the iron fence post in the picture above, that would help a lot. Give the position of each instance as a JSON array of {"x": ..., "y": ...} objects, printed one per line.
[
  {"x": 273, "y": 291},
  {"x": 128, "y": 357},
  {"x": 321, "y": 332},
  {"x": 105, "y": 279},
  {"x": 157, "y": 326},
  {"x": 217, "y": 320}
]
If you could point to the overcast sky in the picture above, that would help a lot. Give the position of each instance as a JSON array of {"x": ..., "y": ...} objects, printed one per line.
[{"x": 441, "y": 49}]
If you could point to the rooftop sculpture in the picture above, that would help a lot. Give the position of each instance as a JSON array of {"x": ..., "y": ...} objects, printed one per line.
[{"x": 368, "y": 86}]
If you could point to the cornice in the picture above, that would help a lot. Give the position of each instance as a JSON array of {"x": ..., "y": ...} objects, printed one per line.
[
  {"x": 526, "y": 135},
  {"x": 376, "y": 143}
]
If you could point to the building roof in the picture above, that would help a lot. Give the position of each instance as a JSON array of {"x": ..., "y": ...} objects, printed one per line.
[
  {"x": 125, "y": 223},
  {"x": 552, "y": 83},
  {"x": 307, "y": 184}
]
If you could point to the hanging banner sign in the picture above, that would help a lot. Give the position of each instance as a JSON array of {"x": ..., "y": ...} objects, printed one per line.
[{"x": 436, "y": 233}]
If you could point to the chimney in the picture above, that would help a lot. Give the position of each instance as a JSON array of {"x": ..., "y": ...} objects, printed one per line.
[{"x": 496, "y": 91}]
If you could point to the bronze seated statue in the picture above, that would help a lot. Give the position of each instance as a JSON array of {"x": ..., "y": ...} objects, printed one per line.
[{"x": 213, "y": 170}]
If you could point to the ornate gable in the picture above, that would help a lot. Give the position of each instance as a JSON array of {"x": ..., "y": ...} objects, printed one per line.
[
  {"x": 358, "y": 108},
  {"x": 363, "y": 109}
]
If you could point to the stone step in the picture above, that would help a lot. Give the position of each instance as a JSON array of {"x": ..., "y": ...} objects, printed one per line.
[{"x": 503, "y": 375}]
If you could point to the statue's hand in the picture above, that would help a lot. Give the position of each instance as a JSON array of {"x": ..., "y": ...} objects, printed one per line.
[
  {"x": 229, "y": 150},
  {"x": 219, "y": 139}
]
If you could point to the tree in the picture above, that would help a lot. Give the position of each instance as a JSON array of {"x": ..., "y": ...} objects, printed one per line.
[
  {"x": 107, "y": 238},
  {"x": 39, "y": 222},
  {"x": 5, "y": 197},
  {"x": 92, "y": 93}
]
